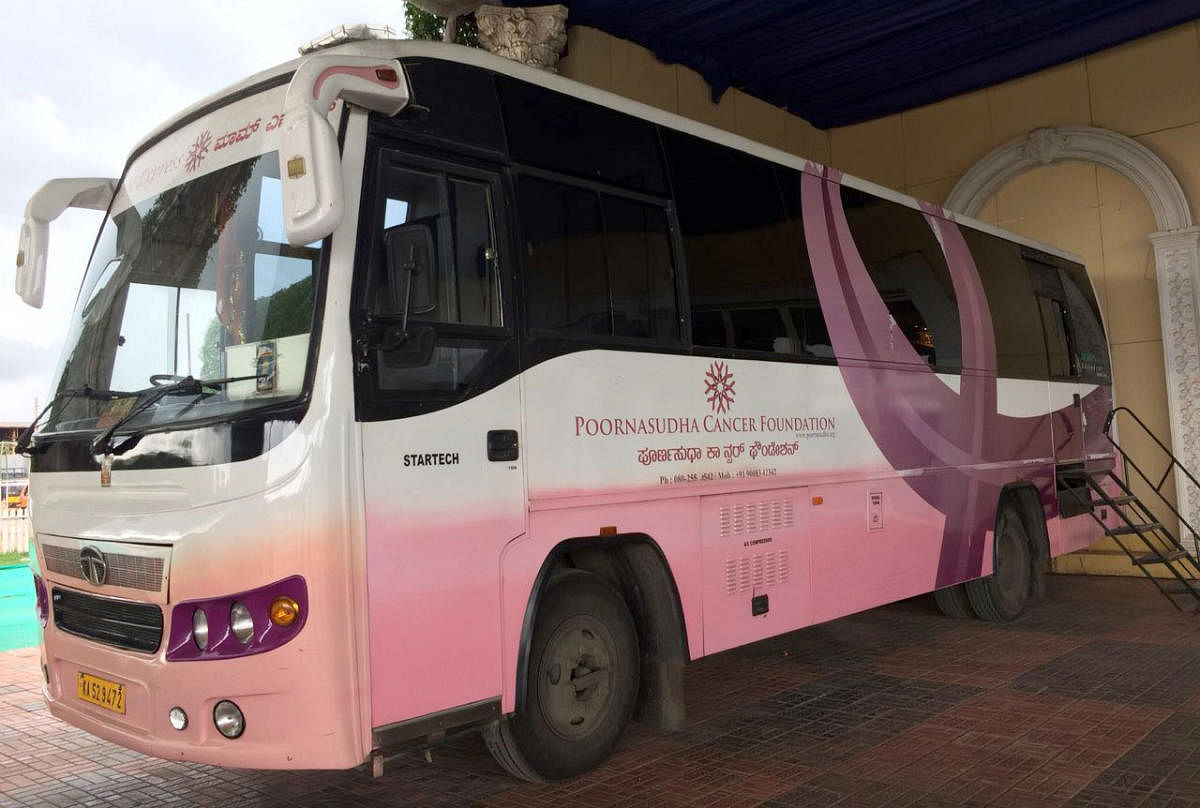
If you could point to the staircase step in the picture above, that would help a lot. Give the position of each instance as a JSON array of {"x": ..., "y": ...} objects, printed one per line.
[
  {"x": 1159, "y": 558},
  {"x": 1124, "y": 499},
  {"x": 1127, "y": 530},
  {"x": 1180, "y": 588}
]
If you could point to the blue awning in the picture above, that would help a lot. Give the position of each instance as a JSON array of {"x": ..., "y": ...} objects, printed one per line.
[{"x": 836, "y": 63}]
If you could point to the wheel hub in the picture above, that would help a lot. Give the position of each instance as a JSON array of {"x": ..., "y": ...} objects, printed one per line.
[{"x": 575, "y": 686}]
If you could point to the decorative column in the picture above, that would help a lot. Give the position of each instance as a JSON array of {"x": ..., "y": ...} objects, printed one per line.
[
  {"x": 1177, "y": 262},
  {"x": 534, "y": 35}
]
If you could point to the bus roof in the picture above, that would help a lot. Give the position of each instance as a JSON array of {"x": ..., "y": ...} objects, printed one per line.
[{"x": 400, "y": 48}]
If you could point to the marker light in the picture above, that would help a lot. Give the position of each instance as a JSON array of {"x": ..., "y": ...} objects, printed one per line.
[
  {"x": 241, "y": 623},
  {"x": 178, "y": 718},
  {"x": 228, "y": 719},
  {"x": 200, "y": 629},
  {"x": 284, "y": 611}
]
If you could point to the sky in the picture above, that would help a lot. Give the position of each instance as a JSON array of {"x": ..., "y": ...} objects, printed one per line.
[{"x": 84, "y": 82}]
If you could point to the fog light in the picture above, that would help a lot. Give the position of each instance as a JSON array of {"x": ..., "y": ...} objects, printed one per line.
[
  {"x": 200, "y": 629},
  {"x": 178, "y": 718},
  {"x": 241, "y": 623},
  {"x": 284, "y": 611},
  {"x": 228, "y": 719}
]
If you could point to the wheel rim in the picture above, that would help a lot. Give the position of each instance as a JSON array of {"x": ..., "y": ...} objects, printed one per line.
[{"x": 575, "y": 677}]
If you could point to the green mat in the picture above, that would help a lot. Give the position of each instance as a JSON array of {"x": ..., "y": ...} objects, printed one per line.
[{"x": 18, "y": 618}]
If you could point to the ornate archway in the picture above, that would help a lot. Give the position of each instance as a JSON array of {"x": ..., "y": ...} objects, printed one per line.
[{"x": 1176, "y": 256}]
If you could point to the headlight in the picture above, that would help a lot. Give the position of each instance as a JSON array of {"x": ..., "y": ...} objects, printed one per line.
[
  {"x": 228, "y": 719},
  {"x": 200, "y": 629},
  {"x": 241, "y": 623}
]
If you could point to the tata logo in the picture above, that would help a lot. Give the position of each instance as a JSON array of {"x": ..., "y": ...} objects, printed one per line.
[{"x": 93, "y": 565}]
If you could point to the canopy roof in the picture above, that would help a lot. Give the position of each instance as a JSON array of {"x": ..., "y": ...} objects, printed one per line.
[{"x": 837, "y": 62}]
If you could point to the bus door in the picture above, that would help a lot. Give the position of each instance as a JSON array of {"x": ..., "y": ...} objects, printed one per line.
[
  {"x": 1062, "y": 360},
  {"x": 439, "y": 407}
]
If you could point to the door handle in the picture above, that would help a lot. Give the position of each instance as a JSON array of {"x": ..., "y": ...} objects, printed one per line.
[{"x": 502, "y": 445}]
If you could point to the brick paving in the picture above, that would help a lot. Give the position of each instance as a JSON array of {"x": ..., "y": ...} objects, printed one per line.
[{"x": 1090, "y": 700}]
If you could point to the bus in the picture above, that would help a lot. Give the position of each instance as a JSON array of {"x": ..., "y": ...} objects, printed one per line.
[{"x": 411, "y": 390}]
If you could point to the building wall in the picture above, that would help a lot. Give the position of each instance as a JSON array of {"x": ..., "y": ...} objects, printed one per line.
[{"x": 1148, "y": 89}]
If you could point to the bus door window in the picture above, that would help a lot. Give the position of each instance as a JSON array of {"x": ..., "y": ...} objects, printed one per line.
[
  {"x": 1056, "y": 321},
  {"x": 450, "y": 301}
]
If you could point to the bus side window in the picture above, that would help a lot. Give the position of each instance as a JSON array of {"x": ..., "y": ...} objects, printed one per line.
[
  {"x": 747, "y": 263},
  {"x": 595, "y": 263},
  {"x": 909, "y": 270}
]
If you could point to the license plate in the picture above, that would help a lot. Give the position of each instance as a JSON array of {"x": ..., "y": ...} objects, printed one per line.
[{"x": 109, "y": 695}]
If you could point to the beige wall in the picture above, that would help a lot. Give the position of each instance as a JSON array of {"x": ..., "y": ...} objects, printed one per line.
[{"x": 1148, "y": 89}]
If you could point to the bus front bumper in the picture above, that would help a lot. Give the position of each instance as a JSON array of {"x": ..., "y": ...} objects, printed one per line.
[{"x": 289, "y": 722}]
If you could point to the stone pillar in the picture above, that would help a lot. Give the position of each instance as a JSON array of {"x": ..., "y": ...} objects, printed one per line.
[
  {"x": 533, "y": 35},
  {"x": 1177, "y": 264}
]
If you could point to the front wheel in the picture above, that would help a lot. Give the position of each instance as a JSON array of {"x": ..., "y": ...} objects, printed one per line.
[
  {"x": 580, "y": 687},
  {"x": 1001, "y": 596}
]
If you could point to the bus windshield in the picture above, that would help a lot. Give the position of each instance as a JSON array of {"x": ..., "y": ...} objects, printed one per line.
[{"x": 197, "y": 280}]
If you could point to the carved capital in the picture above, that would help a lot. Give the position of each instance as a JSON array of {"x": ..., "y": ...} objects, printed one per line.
[{"x": 534, "y": 35}]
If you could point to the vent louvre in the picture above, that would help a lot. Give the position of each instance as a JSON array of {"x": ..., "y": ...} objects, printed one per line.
[
  {"x": 754, "y": 517},
  {"x": 756, "y": 572}
]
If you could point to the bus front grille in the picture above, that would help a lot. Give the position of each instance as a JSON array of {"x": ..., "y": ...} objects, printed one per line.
[
  {"x": 124, "y": 569},
  {"x": 122, "y": 623}
]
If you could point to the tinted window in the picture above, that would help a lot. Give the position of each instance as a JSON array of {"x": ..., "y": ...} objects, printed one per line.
[
  {"x": 435, "y": 255},
  {"x": 1020, "y": 344},
  {"x": 909, "y": 269},
  {"x": 596, "y": 264},
  {"x": 554, "y": 131},
  {"x": 1091, "y": 348},
  {"x": 459, "y": 104},
  {"x": 746, "y": 259},
  {"x": 1056, "y": 322}
]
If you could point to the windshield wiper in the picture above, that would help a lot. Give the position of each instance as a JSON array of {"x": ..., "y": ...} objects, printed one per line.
[
  {"x": 25, "y": 445},
  {"x": 103, "y": 442}
]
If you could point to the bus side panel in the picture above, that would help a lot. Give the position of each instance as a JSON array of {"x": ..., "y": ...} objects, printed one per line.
[
  {"x": 673, "y": 525},
  {"x": 756, "y": 566},
  {"x": 873, "y": 542}
]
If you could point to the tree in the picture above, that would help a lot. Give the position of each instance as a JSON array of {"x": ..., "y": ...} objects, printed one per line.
[{"x": 427, "y": 25}]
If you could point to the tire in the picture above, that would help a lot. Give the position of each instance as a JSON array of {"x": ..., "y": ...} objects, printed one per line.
[
  {"x": 953, "y": 602},
  {"x": 1001, "y": 596},
  {"x": 580, "y": 687}
]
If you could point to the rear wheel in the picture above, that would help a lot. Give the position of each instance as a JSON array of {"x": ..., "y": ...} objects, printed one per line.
[
  {"x": 953, "y": 602},
  {"x": 580, "y": 687},
  {"x": 1001, "y": 596}
]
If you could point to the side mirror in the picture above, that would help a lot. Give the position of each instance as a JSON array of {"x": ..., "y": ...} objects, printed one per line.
[
  {"x": 309, "y": 163},
  {"x": 412, "y": 266},
  {"x": 92, "y": 193}
]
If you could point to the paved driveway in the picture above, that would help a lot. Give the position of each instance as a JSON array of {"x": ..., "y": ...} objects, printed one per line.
[{"x": 1091, "y": 699}]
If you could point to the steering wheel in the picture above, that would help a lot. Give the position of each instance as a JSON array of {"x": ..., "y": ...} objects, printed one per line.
[{"x": 159, "y": 379}]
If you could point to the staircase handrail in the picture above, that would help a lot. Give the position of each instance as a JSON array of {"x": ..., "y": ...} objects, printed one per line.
[{"x": 1129, "y": 462}]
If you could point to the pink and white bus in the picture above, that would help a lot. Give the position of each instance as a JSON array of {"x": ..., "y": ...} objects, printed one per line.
[{"x": 410, "y": 389}]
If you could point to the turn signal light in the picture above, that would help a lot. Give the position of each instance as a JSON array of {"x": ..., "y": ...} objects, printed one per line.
[{"x": 284, "y": 611}]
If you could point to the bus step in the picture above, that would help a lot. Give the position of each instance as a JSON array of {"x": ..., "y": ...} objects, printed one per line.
[
  {"x": 1129, "y": 530},
  {"x": 1182, "y": 588},
  {"x": 1159, "y": 558},
  {"x": 1124, "y": 499}
]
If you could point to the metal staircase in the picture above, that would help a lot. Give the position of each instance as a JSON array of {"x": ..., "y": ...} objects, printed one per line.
[{"x": 1142, "y": 535}]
